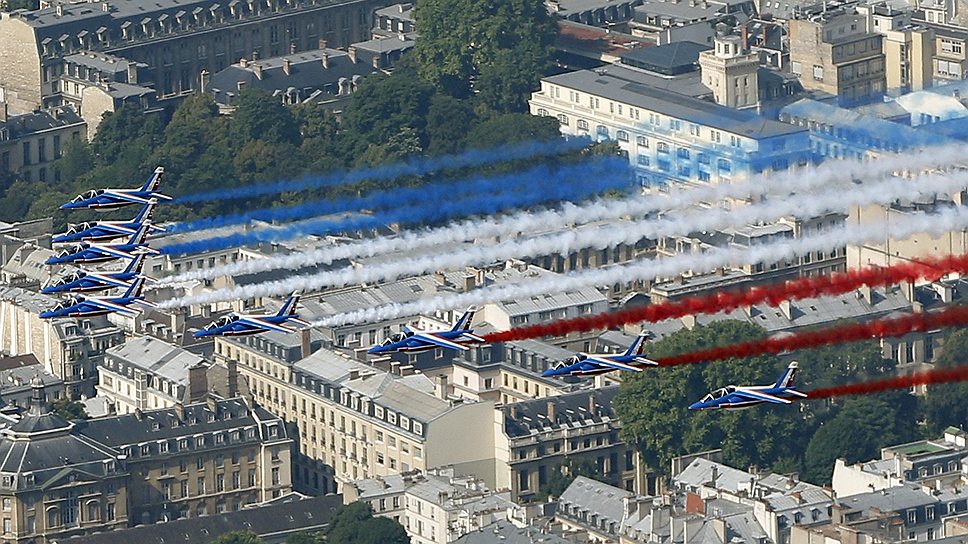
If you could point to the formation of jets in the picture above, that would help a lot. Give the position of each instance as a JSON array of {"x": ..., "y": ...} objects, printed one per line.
[
  {"x": 235, "y": 324},
  {"x": 413, "y": 341},
  {"x": 92, "y": 244}
]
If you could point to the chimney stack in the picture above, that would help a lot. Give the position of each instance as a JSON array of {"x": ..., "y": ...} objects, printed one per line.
[
  {"x": 205, "y": 78},
  {"x": 293, "y": 48},
  {"x": 244, "y": 62},
  {"x": 352, "y": 53},
  {"x": 255, "y": 55},
  {"x": 552, "y": 415},
  {"x": 257, "y": 70},
  {"x": 592, "y": 404},
  {"x": 287, "y": 67},
  {"x": 323, "y": 43},
  {"x": 233, "y": 371},
  {"x": 305, "y": 342},
  {"x": 325, "y": 60},
  {"x": 377, "y": 61},
  {"x": 197, "y": 382},
  {"x": 180, "y": 411}
]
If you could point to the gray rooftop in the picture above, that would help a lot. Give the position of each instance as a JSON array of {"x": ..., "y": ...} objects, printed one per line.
[
  {"x": 892, "y": 499},
  {"x": 156, "y": 357},
  {"x": 507, "y": 533},
  {"x": 620, "y": 84},
  {"x": 595, "y": 497}
]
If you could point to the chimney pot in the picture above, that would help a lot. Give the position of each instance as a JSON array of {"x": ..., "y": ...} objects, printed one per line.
[
  {"x": 323, "y": 43},
  {"x": 287, "y": 67},
  {"x": 352, "y": 53},
  {"x": 325, "y": 61}
]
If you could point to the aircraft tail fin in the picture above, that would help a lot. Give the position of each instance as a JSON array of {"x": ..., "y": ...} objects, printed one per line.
[
  {"x": 154, "y": 182},
  {"x": 146, "y": 212},
  {"x": 134, "y": 291},
  {"x": 141, "y": 234},
  {"x": 464, "y": 323},
  {"x": 136, "y": 264},
  {"x": 289, "y": 307},
  {"x": 637, "y": 347},
  {"x": 790, "y": 374}
]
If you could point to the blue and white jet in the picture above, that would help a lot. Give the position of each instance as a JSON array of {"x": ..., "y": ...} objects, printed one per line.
[
  {"x": 112, "y": 199},
  {"x": 413, "y": 341},
  {"x": 80, "y": 306},
  {"x": 92, "y": 282},
  {"x": 584, "y": 364},
  {"x": 235, "y": 324},
  {"x": 735, "y": 397},
  {"x": 105, "y": 231},
  {"x": 90, "y": 253}
]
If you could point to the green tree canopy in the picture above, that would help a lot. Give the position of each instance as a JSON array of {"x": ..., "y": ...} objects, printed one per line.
[
  {"x": 944, "y": 404},
  {"x": 260, "y": 116},
  {"x": 238, "y": 537},
  {"x": 306, "y": 538},
  {"x": 511, "y": 128},
  {"x": 71, "y": 410},
  {"x": 448, "y": 121},
  {"x": 382, "y": 107},
  {"x": 468, "y": 46},
  {"x": 354, "y": 524}
]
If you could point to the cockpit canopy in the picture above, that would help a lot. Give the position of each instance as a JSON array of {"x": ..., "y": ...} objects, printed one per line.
[
  {"x": 394, "y": 338},
  {"x": 222, "y": 321},
  {"x": 719, "y": 393},
  {"x": 88, "y": 195}
]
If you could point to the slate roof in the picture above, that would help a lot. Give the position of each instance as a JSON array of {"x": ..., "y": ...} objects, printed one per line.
[
  {"x": 670, "y": 59},
  {"x": 275, "y": 520},
  {"x": 506, "y": 532},
  {"x": 615, "y": 84},
  {"x": 892, "y": 499},
  {"x": 571, "y": 409},
  {"x": 595, "y": 497},
  {"x": 156, "y": 357},
  {"x": 37, "y": 121}
]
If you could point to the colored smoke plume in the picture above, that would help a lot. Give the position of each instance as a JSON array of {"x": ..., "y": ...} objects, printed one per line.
[
  {"x": 809, "y": 287},
  {"x": 951, "y": 316},
  {"x": 946, "y": 375}
]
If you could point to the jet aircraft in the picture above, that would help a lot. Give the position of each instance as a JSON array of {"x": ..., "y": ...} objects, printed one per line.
[
  {"x": 412, "y": 341},
  {"x": 80, "y": 306},
  {"x": 584, "y": 364},
  {"x": 91, "y": 282},
  {"x": 735, "y": 397},
  {"x": 104, "y": 231},
  {"x": 235, "y": 324},
  {"x": 111, "y": 199},
  {"x": 88, "y": 253}
]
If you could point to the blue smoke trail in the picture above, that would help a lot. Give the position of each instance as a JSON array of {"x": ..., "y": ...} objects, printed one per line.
[
  {"x": 379, "y": 200},
  {"x": 540, "y": 185},
  {"x": 415, "y": 167}
]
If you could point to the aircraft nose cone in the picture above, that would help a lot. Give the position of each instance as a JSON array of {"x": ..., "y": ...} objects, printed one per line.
[
  {"x": 375, "y": 349},
  {"x": 696, "y": 406},
  {"x": 550, "y": 373}
]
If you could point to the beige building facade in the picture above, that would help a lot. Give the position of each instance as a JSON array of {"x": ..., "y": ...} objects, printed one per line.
[{"x": 731, "y": 72}]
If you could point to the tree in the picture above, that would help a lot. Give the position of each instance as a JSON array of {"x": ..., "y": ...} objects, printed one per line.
[
  {"x": 563, "y": 474},
  {"x": 71, "y": 410},
  {"x": 260, "y": 116},
  {"x": 944, "y": 404},
  {"x": 511, "y": 128},
  {"x": 354, "y": 524},
  {"x": 468, "y": 46},
  {"x": 382, "y": 107},
  {"x": 238, "y": 537},
  {"x": 448, "y": 121},
  {"x": 306, "y": 538}
]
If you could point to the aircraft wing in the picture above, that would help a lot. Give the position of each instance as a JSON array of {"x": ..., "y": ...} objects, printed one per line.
[
  {"x": 756, "y": 395},
  {"x": 119, "y": 195},
  {"x": 646, "y": 361},
  {"x": 472, "y": 336},
  {"x": 101, "y": 303},
  {"x": 262, "y": 324},
  {"x": 612, "y": 364},
  {"x": 108, "y": 280},
  {"x": 800, "y": 394},
  {"x": 438, "y": 341},
  {"x": 298, "y": 321},
  {"x": 113, "y": 252}
]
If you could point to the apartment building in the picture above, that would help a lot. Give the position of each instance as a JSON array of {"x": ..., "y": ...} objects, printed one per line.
[
  {"x": 833, "y": 51},
  {"x": 31, "y": 142},
  {"x": 176, "y": 40},
  {"x": 908, "y": 46},
  {"x": 668, "y": 137},
  {"x": 60, "y": 479},
  {"x": 543, "y": 435},
  {"x": 357, "y": 422},
  {"x": 71, "y": 348},
  {"x": 506, "y": 372}
]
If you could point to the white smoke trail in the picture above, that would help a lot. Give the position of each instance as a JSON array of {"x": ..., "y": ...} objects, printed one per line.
[
  {"x": 802, "y": 180},
  {"x": 600, "y": 237},
  {"x": 933, "y": 224}
]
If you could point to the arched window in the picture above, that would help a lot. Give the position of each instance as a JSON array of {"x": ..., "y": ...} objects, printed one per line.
[
  {"x": 563, "y": 119},
  {"x": 582, "y": 124},
  {"x": 622, "y": 136},
  {"x": 543, "y": 112}
]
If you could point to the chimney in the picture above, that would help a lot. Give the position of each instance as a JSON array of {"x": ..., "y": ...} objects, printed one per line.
[
  {"x": 352, "y": 53},
  {"x": 138, "y": 414},
  {"x": 105, "y": 7},
  {"x": 354, "y": 373},
  {"x": 592, "y": 404},
  {"x": 197, "y": 382},
  {"x": 745, "y": 37},
  {"x": 287, "y": 67},
  {"x": 787, "y": 308},
  {"x": 865, "y": 292},
  {"x": 440, "y": 386},
  {"x": 180, "y": 411},
  {"x": 377, "y": 61},
  {"x": 132, "y": 73},
  {"x": 322, "y": 43},
  {"x": 293, "y": 48},
  {"x": 470, "y": 280},
  {"x": 257, "y": 70},
  {"x": 255, "y": 55},
  {"x": 325, "y": 60},
  {"x": 305, "y": 342},
  {"x": 60, "y": 10},
  {"x": 714, "y": 477},
  {"x": 552, "y": 415},
  {"x": 233, "y": 371},
  {"x": 240, "y": 85},
  {"x": 205, "y": 78}
]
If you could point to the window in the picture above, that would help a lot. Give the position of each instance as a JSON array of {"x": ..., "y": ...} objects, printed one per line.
[
  {"x": 702, "y": 158},
  {"x": 643, "y": 160},
  {"x": 818, "y": 72},
  {"x": 723, "y": 165},
  {"x": 602, "y": 130},
  {"x": 563, "y": 119},
  {"x": 662, "y": 147},
  {"x": 675, "y": 124},
  {"x": 582, "y": 124},
  {"x": 622, "y": 136},
  {"x": 642, "y": 141},
  {"x": 663, "y": 165},
  {"x": 682, "y": 153},
  {"x": 275, "y": 475}
]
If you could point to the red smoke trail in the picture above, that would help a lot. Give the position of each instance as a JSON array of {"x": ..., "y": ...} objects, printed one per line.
[
  {"x": 882, "y": 328},
  {"x": 809, "y": 287},
  {"x": 947, "y": 375}
]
